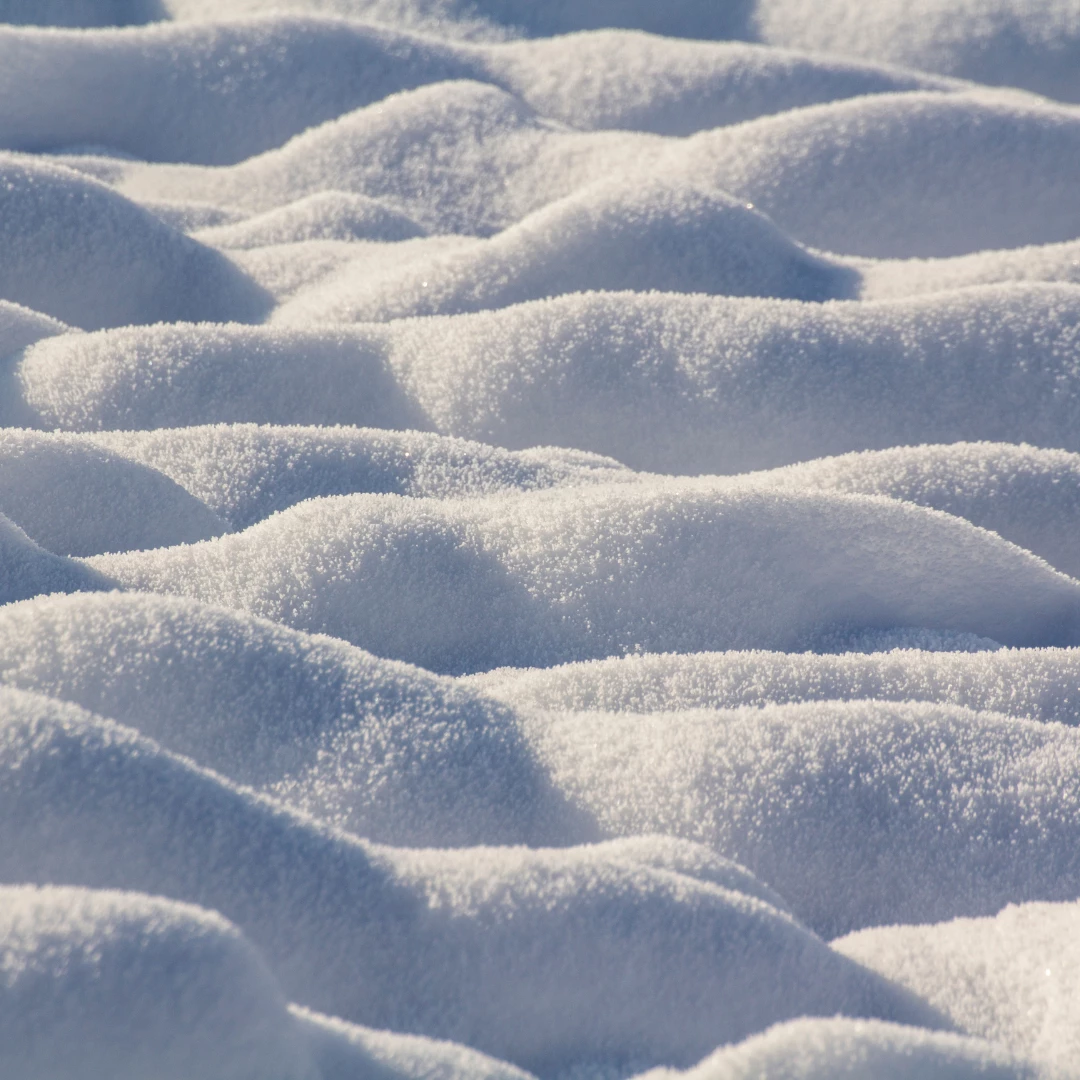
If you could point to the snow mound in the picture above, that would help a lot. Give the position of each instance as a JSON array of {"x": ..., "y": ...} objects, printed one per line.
[
  {"x": 246, "y": 472},
  {"x": 1014, "y": 978},
  {"x": 857, "y": 813},
  {"x": 899, "y": 175},
  {"x": 275, "y": 76},
  {"x": 77, "y": 250},
  {"x": 27, "y": 569},
  {"x": 382, "y": 749},
  {"x": 345, "y": 1051},
  {"x": 885, "y": 175},
  {"x": 672, "y": 86},
  {"x": 145, "y": 508},
  {"x": 1011, "y": 42},
  {"x": 545, "y": 957},
  {"x": 20, "y": 326},
  {"x": 455, "y": 157},
  {"x": 1038, "y": 684},
  {"x": 887, "y": 279},
  {"x": 117, "y": 986},
  {"x": 840, "y": 1049},
  {"x": 668, "y": 382},
  {"x": 327, "y": 215},
  {"x": 614, "y": 235},
  {"x": 1027, "y": 495},
  {"x": 581, "y": 573}
]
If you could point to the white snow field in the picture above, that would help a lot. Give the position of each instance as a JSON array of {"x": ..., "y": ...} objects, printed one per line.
[{"x": 539, "y": 540}]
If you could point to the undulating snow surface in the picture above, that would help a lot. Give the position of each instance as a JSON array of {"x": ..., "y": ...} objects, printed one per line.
[{"x": 539, "y": 540}]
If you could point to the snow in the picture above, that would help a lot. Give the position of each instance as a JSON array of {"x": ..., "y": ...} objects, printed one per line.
[
  {"x": 582, "y": 573},
  {"x": 914, "y": 665},
  {"x": 146, "y": 509},
  {"x": 658, "y": 381},
  {"x": 521, "y": 522},
  {"x": 855, "y": 1050},
  {"x": 1013, "y": 978},
  {"x": 501, "y": 948}
]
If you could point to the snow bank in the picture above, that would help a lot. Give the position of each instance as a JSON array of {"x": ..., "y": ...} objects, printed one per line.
[
  {"x": 613, "y": 235},
  {"x": 580, "y": 573},
  {"x": 247, "y": 472},
  {"x": 217, "y": 93},
  {"x": 384, "y": 750},
  {"x": 688, "y": 384},
  {"x": 1027, "y": 495},
  {"x": 855, "y": 1050},
  {"x": 118, "y": 986},
  {"x": 1039, "y": 684},
  {"x": 857, "y": 813},
  {"x": 77, "y": 250},
  {"x": 1014, "y": 978},
  {"x": 145, "y": 508},
  {"x": 545, "y": 957}
]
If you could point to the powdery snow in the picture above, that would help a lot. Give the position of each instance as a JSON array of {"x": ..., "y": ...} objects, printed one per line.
[
  {"x": 1013, "y": 978},
  {"x": 519, "y": 522},
  {"x": 582, "y": 573}
]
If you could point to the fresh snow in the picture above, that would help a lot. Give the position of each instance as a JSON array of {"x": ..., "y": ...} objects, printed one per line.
[{"x": 539, "y": 541}]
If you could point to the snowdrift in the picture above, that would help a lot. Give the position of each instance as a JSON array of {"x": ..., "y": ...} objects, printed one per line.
[
  {"x": 1037, "y": 684},
  {"x": 146, "y": 509},
  {"x": 1012, "y": 978},
  {"x": 78, "y": 251},
  {"x": 276, "y": 76},
  {"x": 576, "y": 574},
  {"x": 385, "y": 750},
  {"x": 430, "y": 942},
  {"x": 922, "y": 811},
  {"x": 664, "y": 382}
]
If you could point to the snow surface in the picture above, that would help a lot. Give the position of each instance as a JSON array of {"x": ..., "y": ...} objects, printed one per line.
[{"x": 521, "y": 522}]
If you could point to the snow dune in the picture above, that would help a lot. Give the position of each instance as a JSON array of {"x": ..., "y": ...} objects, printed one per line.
[
  {"x": 1036, "y": 684},
  {"x": 246, "y": 472},
  {"x": 924, "y": 812},
  {"x": 275, "y": 76},
  {"x": 76, "y": 250},
  {"x": 1011, "y": 42},
  {"x": 27, "y": 569},
  {"x": 856, "y": 1050},
  {"x": 520, "y": 522},
  {"x": 952, "y": 172},
  {"x": 429, "y": 942},
  {"x": 1012, "y": 978},
  {"x": 582, "y": 573},
  {"x": 662, "y": 382},
  {"x": 385, "y": 750},
  {"x": 146, "y": 509}
]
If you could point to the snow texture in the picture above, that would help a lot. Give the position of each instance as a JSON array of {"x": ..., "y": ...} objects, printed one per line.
[{"x": 521, "y": 522}]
